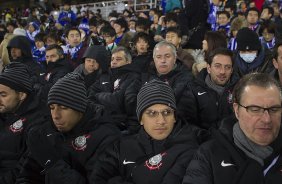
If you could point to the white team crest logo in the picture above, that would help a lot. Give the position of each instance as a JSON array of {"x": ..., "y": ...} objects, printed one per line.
[
  {"x": 80, "y": 142},
  {"x": 17, "y": 126},
  {"x": 230, "y": 98},
  {"x": 116, "y": 84},
  {"x": 48, "y": 77},
  {"x": 155, "y": 162}
]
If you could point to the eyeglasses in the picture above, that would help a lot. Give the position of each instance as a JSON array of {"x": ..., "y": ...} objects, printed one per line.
[
  {"x": 165, "y": 113},
  {"x": 258, "y": 111}
]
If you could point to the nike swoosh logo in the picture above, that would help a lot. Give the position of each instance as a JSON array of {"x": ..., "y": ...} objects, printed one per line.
[
  {"x": 127, "y": 162},
  {"x": 225, "y": 164},
  {"x": 199, "y": 93},
  {"x": 49, "y": 135},
  {"x": 105, "y": 82}
]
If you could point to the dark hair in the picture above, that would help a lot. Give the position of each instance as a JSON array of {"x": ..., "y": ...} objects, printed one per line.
[
  {"x": 252, "y": 9},
  {"x": 11, "y": 23},
  {"x": 93, "y": 21},
  {"x": 171, "y": 16},
  {"x": 214, "y": 39},
  {"x": 108, "y": 30},
  {"x": 58, "y": 48},
  {"x": 40, "y": 37},
  {"x": 141, "y": 35},
  {"x": 254, "y": 79},
  {"x": 174, "y": 30},
  {"x": 143, "y": 23},
  {"x": 122, "y": 22},
  {"x": 224, "y": 13},
  {"x": 72, "y": 29},
  {"x": 53, "y": 35},
  {"x": 270, "y": 10},
  {"x": 275, "y": 50},
  {"x": 231, "y": 6},
  {"x": 269, "y": 26},
  {"x": 220, "y": 51}
]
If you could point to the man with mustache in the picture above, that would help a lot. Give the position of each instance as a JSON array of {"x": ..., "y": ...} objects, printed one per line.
[
  {"x": 209, "y": 96},
  {"x": 246, "y": 149}
]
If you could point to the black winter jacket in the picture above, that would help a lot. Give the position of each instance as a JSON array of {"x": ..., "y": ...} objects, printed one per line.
[
  {"x": 204, "y": 106},
  {"x": 77, "y": 150},
  {"x": 14, "y": 128},
  {"x": 55, "y": 71},
  {"x": 140, "y": 159},
  {"x": 220, "y": 161},
  {"x": 117, "y": 91},
  {"x": 178, "y": 79}
]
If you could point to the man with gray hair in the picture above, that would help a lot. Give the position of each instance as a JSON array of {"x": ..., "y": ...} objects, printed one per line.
[
  {"x": 247, "y": 149},
  {"x": 117, "y": 90},
  {"x": 171, "y": 71}
]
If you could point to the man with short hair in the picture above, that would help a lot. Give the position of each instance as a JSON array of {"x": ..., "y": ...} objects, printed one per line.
[
  {"x": 20, "y": 110},
  {"x": 57, "y": 67},
  {"x": 117, "y": 90},
  {"x": 277, "y": 62},
  {"x": 252, "y": 16},
  {"x": 170, "y": 70},
  {"x": 174, "y": 36},
  {"x": 267, "y": 13},
  {"x": 246, "y": 149},
  {"x": 209, "y": 96},
  {"x": 64, "y": 148},
  {"x": 159, "y": 152}
]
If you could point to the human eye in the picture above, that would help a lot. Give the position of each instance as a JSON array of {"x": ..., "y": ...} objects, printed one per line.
[
  {"x": 255, "y": 109},
  {"x": 167, "y": 112},
  {"x": 274, "y": 109},
  {"x": 151, "y": 113}
]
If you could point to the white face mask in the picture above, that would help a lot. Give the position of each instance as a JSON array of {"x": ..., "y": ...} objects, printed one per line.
[{"x": 248, "y": 57}]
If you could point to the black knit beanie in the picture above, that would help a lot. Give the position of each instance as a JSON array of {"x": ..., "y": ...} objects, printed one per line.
[
  {"x": 69, "y": 91},
  {"x": 247, "y": 40},
  {"x": 16, "y": 76},
  {"x": 154, "y": 92}
]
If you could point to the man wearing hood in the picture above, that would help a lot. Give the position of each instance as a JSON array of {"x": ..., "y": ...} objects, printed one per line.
[
  {"x": 57, "y": 67},
  {"x": 20, "y": 110},
  {"x": 117, "y": 91},
  {"x": 64, "y": 149},
  {"x": 96, "y": 62},
  {"x": 19, "y": 50},
  {"x": 250, "y": 56}
]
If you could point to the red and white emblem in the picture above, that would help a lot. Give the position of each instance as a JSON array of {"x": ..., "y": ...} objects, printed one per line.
[
  {"x": 80, "y": 143},
  {"x": 17, "y": 126},
  {"x": 155, "y": 162}
]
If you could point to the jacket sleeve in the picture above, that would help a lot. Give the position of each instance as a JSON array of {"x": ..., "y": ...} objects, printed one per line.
[
  {"x": 187, "y": 107},
  {"x": 106, "y": 169},
  {"x": 199, "y": 170}
]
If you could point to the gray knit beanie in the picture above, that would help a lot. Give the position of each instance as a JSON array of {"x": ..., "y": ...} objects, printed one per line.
[
  {"x": 69, "y": 91},
  {"x": 154, "y": 92}
]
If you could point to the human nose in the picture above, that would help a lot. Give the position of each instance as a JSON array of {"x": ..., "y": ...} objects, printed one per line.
[
  {"x": 266, "y": 116},
  {"x": 160, "y": 119}
]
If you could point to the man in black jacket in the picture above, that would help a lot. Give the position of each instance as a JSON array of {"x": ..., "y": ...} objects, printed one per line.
[
  {"x": 209, "y": 97},
  {"x": 19, "y": 49},
  {"x": 57, "y": 67},
  {"x": 64, "y": 149},
  {"x": 19, "y": 111},
  {"x": 247, "y": 149},
  {"x": 161, "y": 150},
  {"x": 171, "y": 71},
  {"x": 118, "y": 89}
]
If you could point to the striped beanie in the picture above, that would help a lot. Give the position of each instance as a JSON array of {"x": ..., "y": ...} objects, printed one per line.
[
  {"x": 154, "y": 92},
  {"x": 69, "y": 91},
  {"x": 16, "y": 76}
]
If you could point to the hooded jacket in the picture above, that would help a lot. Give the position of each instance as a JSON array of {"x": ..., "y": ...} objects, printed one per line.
[
  {"x": 14, "y": 128},
  {"x": 76, "y": 156},
  {"x": 141, "y": 159},
  {"x": 220, "y": 161},
  {"x": 22, "y": 43}
]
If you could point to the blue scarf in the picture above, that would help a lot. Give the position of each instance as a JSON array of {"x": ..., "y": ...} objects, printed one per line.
[
  {"x": 232, "y": 44},
  {"x": 72, "y": 51}
]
